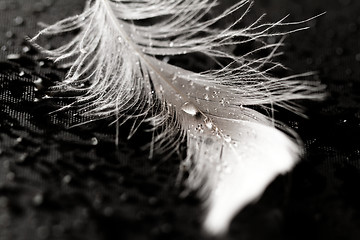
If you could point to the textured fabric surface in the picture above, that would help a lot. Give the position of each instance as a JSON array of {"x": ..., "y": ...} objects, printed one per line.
[{"x": 58, "y": 182}]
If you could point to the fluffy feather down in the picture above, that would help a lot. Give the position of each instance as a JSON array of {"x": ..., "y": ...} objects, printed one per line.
[{"x": 233, "y": 151}]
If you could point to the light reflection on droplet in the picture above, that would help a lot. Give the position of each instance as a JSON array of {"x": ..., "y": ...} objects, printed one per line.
[
  {"x": 208, "y": 123},
  {"x": 189, "y": 108},
  {"x": 227, "y": 138}
]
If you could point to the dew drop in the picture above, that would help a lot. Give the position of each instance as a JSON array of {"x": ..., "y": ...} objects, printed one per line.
[
  {"x": 18, "y": 21},
  {"x": 94, "y": 141},
  {"x": 190, "y": 108},
  {"x": 9, "y": 34},
  {"x": 13, "y": 56},
  {"x": 227, "y": 138},
  {"x": 161, "y": 89},
  {"x": 208, "y": 123},
  {"x": 22, "y": 158},
  {"x": 38, "y": 199},
  {"x": 66, "y": 179},
  {"x": 26, "y": 49}
]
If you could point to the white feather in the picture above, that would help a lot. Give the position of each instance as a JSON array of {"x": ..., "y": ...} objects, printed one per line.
[{"x": 233, "y": 152}]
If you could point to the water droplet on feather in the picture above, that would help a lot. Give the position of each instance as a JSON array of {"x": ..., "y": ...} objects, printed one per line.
[
  {"x": 190, "y": 108},
  {"x": 208, "y": 123},
  {"x": 227, "y": 138}
]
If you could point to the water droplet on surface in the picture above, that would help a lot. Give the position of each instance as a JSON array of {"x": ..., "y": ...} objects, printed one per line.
[
  {"x": 94, "y": 141},
  {"x": 171, "y": 44},
  {"x": 207, "y": 88},
  {"x": 206, "y": 97},
  {"x": 227, "y": 138},
  {"x": 67, "y": 179},
  {"x": 9, "y": 34},
  {"x": 19, "y": 21},
  {"x": 22, "y": 158},
  {"x": 13, "y": 56},
  {"x": 38, "y": 199},
  {"x": 190, "y": 108},
  {"x": 161, "y": 89},
  {"x": 208, "y": 123}
]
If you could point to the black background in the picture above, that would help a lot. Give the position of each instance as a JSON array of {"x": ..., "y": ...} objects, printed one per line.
[{"x": 60, "y": 183}]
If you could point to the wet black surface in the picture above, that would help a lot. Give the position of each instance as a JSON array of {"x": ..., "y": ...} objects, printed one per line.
[{"x": 58, "y": 182}]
